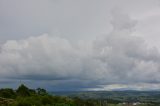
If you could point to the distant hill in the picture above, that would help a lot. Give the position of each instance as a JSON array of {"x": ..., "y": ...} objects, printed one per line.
[{"x": 142, "y": 96}]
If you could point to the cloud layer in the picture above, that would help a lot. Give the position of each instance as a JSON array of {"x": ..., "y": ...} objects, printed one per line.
[{"x": 113, "y": 59}]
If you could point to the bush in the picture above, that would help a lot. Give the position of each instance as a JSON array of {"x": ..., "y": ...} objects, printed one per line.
[{"x": 46, "y": 100}]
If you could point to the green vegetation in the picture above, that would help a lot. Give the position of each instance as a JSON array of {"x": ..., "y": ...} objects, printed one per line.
[{"x": 23, "y": 96}]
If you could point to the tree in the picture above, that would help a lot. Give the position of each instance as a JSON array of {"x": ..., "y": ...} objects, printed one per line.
[
  {"x": 23, "y": 90},
  {"x": 7, "y": 93},
  {"x": 41, "y": 91}
]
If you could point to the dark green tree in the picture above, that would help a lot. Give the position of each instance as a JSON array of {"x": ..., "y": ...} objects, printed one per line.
[
  {"x": 41, "y": 91},
  {"x": 7, "y": 93},
  {"x": 23, "y": 90}
]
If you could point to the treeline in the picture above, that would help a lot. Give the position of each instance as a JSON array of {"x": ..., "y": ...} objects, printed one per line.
[{"x": 23, "y": 96}]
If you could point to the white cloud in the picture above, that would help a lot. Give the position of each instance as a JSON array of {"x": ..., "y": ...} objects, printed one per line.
[
  {"x": 136, "y": 86},
  {"x": 117, "y": 58}
]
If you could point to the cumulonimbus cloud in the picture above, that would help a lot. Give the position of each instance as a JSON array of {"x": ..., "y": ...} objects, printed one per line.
[{"x": 116, "y": 58}]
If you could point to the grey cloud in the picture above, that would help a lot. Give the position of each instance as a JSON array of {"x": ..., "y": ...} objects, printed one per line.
[
  {"x": 117, "y": 58},
  {"x": 71, "y": 19}
]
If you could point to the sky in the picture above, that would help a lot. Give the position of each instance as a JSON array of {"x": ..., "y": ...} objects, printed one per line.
[{"x": 67, "y": 45}]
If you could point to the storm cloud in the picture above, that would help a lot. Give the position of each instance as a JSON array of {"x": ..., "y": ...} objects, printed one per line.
[{"x": 117, "y": 60}]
